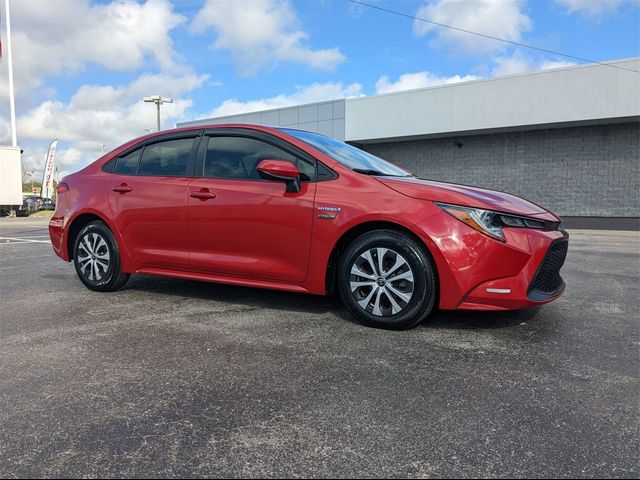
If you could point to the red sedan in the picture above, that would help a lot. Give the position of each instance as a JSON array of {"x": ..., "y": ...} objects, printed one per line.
[{"x": 297, "y": 211}]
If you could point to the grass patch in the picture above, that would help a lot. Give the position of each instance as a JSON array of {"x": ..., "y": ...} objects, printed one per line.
[{"x": 42, "y": 214}]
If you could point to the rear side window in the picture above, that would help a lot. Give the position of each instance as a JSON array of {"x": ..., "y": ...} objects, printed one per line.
[
  {"x": 166, "y": 159},
  {"x": 238, "y": 158},
  {"x": 128, "y": 164},
  {"x": 110, "y": 166}
]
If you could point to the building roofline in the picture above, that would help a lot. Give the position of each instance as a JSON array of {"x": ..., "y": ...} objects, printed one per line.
[
  {"x": 500, "y": 78},
  {"x": 324, "y": 102}
]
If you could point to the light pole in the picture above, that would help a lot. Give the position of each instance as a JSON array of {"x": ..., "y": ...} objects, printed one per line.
[
  {"x": 12, "y": 101},
  {"x": 158, "y": 100},
  {"x": 102, "y": 145}
]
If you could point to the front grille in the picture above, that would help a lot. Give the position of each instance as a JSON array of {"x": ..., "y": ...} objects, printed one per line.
[{"x": 548, "y": 281}]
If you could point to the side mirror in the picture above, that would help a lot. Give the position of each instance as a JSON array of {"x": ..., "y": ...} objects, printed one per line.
[{"x": 281, "y": 170}]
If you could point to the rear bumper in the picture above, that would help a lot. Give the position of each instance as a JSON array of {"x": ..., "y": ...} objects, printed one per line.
[
  {"x": 57, "y": 233},
  {"x": 479, "y": 273}
]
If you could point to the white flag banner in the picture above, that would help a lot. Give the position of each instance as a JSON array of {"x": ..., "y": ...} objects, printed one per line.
[{"x": 47, "y": 176}]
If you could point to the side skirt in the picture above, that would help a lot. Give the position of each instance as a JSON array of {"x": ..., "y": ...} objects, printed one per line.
[{"x": 205, "y": 277}]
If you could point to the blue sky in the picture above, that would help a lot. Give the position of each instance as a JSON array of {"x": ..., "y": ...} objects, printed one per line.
[{"x": 82, "y": 67}]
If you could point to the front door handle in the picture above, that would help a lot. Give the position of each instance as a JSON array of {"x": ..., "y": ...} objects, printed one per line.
[
  {"x": 203, "y": 194},
  {"x": 124, "y": 188}
]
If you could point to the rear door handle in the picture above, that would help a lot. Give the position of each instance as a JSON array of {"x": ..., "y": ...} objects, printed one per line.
[
  {"x": 124, "y": 188},
  {"x": 203, "y": 194}
]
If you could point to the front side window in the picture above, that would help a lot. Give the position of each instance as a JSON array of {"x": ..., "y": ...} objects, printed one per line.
[
  {"x": 166, "y": 159},
  {"x": 128, "y": 164},
  {"x": 238, "y": 158}
]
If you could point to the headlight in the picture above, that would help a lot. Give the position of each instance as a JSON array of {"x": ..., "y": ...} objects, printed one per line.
[{"x": 490, "y": 223}]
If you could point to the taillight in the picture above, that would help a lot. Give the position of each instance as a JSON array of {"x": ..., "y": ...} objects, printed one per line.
[{"x": 62, "y": 187}]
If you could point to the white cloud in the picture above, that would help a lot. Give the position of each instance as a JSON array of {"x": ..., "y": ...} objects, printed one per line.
[
  {"x": 261, "y": 33},
  {"x": 410, "y": 81},
  {"x": 61, "y": 37},
  {"x": 549, "y": 64},
  {"x": 498, "y": 18},
  {"x": 67, "y": 159},
  {"x": 510, "y": 65},
  {"x": 316, "y": 92},
  {"x": 98, "y": 114},
  {"x": 107, "y": 114},
  {"x": 518, "y": 62},
  {"x": 591, "y": 8},
  {"x": 5, "y": 131}
]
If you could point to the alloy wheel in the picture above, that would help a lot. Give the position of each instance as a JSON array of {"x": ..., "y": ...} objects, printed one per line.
[
  {"x": 381, "y": 281},
  {"x": 93, "y": 256}
]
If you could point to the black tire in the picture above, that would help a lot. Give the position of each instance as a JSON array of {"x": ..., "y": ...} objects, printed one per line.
[
  {"x": 415, "y": 294},
  {"x": 94, "y": 248}
]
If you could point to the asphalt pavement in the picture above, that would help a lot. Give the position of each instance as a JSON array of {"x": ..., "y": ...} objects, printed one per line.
[{"x": 178, "y": 378}]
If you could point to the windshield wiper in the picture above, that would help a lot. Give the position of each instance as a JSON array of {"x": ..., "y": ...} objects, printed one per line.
[{"x": 367, "y": 171}]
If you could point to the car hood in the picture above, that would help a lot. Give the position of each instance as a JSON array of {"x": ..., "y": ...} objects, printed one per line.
[{"x": 467, "y": 196}]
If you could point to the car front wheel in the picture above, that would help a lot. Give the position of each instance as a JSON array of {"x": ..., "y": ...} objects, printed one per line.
[
  {"x": 387, "y": 280},
  {"x": 97, "y": 258}
]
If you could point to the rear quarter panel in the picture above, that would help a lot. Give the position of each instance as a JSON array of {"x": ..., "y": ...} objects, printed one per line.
[{"x": 86, "y": 195}]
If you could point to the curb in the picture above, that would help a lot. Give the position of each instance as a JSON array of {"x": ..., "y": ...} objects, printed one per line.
[{"x": 603, "y": 233}]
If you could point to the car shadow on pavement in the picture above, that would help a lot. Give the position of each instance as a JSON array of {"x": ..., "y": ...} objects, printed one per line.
[
  {"x": 470, "y": 320},
  {"x": 233, "y": 294},
  {"x": 299, "y": 302}
]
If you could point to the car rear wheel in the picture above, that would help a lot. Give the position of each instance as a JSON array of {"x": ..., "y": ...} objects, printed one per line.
[
  {"x": 97, "y": 258},
  {"x": 387, "y": 280}
]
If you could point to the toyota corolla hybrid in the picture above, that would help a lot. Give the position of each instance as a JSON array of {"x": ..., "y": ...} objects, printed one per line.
[{"x": 297, "y": 211}]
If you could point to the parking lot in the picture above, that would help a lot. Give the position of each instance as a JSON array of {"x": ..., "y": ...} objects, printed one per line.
[{"x": 178, "y": 378}]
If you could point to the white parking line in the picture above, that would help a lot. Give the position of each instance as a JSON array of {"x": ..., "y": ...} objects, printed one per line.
[
  {"x": 13, "y": 240},
  {"x": 29, "y": 236}
]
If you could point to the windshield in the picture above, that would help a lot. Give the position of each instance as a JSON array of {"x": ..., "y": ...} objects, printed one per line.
[{"x": 349, "y": 156}]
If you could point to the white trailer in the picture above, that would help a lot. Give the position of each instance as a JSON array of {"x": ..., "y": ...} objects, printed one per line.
[{"x": 10, "y": 179}]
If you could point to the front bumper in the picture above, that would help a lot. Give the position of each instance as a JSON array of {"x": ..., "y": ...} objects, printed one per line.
[
  {"x": 479, "y": 273},
  {"x": 547, "y": 282},
  {"x": 530, "y": 287}
]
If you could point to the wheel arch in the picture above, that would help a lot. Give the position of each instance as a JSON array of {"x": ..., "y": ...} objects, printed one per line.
[
  {"x": 77, "y": 224},
  {"x": 355, "y": 231}
]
